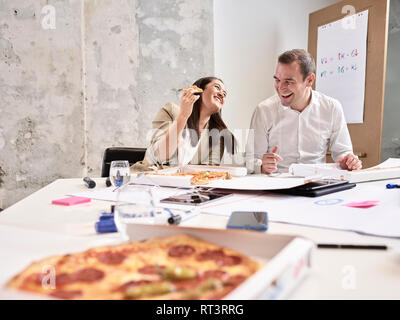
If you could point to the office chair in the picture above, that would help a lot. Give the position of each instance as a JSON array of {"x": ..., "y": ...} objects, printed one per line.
[{"x": 133, "y": 155}]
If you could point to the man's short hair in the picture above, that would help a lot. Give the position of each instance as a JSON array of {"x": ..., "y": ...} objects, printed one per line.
[{"x": 305, "y": 60}]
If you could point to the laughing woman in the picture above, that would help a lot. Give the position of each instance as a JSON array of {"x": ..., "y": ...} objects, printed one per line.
[{"x": 194, "y": 132}]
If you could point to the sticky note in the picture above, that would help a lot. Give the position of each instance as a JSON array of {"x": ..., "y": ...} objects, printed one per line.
[
  {"x": 363, "y": 204},
  {"x": 70, "y": 201}
]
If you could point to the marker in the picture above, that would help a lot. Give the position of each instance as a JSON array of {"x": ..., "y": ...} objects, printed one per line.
[
  {"x": 178, "y": 218},
  {"x": 105, "y": 226},
  {"x": 392, "y": 186},
  {"x": 351, "y": 246},
  {"x": 89, "y": 182}
]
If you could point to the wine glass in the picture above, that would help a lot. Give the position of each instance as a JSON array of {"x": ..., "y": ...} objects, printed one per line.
[{"x": 120, "y": 173}]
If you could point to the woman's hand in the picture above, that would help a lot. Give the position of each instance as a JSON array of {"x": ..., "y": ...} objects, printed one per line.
[{"x": 187, "y": 101}]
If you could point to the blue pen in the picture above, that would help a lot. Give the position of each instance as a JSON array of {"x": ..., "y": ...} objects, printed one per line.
[{"x": 392, "y": 186}]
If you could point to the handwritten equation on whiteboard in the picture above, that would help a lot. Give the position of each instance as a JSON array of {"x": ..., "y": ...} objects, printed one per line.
[{"x": 341, "y": 63}]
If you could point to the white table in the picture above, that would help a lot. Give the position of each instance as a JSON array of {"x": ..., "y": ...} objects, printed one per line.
[{"x": 33, "y": 228}]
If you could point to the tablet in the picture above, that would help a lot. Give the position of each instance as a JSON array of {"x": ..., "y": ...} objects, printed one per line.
[
  {"x": 197, "y": 197},
  {"x": 318, "y": 188}
]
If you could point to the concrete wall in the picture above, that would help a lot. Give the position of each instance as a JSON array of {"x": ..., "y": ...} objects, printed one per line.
[
  {"x": 249, "y": 36},
  {"x": 391, "y": 117},
  {"x": 68, "y": 93}
]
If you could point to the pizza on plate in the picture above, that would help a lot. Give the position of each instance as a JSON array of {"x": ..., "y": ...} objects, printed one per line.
[
  {"x": 174, "y": 267},
  {"x": 199, "y": 177}
]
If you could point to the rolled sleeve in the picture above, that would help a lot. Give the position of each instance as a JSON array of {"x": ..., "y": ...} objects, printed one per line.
[
  {"x": 257, "y": 142},
  {"x": 340, "y": 141},
  {"x": 160, "y": 125}
]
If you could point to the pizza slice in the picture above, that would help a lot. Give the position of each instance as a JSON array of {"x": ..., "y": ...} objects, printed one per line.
[{"x": 198, "y": 91}]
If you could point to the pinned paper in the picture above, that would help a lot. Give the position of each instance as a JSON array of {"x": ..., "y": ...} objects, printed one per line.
[{"x": 363, "y": 204}]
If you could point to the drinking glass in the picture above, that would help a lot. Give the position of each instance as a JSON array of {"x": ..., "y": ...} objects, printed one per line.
[{"x": 120, "y": 173}]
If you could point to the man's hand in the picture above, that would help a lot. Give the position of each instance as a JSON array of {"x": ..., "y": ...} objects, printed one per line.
[
  {"x": 270, "y": 161},
  {"x": 350, "y": 162}
]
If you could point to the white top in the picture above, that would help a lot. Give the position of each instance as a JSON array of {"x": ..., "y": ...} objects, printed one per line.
[
  {"x": 186, "y": 153},
  {"x": 302, "y": 137}
]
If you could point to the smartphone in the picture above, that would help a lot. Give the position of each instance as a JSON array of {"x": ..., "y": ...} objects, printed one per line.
[
  {"x": 251, "y": 220},
  {"x": 197, "y": 198}
]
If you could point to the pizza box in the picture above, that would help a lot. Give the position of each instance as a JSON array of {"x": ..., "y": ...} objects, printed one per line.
[
  {"x": 183, "y": 181},
  {"x": 287, "y": 259}
]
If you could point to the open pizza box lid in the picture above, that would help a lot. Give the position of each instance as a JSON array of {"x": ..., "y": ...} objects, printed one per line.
[
  {"x": 182, "y": 181},
  {"x": 287, "y": 259}
]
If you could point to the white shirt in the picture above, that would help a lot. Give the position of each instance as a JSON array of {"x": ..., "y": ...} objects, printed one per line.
[
  {"x": 302, "y": 137},
  {"x": 187, "y": 153}
]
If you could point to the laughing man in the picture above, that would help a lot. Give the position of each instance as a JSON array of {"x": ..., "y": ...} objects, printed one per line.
[{"x": 298, "y": 124}]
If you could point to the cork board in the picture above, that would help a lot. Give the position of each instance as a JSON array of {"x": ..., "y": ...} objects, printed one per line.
[{"x": 367, "y": 136}]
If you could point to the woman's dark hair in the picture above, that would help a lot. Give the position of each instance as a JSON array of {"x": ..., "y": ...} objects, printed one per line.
[{"x": 215, "y": 122}]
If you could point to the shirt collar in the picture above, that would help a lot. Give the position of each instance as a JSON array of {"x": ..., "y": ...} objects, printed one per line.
[{"x": 312, "y": 102}]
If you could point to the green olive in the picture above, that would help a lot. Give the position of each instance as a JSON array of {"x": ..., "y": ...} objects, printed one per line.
[
  {"x": 150, "y": 289},
  {"x": 210, "y": 284},
  {"x": 179, "y": 273}
]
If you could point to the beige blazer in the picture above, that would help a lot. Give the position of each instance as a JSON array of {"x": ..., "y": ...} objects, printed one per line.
[{"x": 186, "y": 153}]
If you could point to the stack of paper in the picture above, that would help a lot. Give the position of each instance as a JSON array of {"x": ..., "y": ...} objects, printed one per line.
[{"x": 389, "y": 169}]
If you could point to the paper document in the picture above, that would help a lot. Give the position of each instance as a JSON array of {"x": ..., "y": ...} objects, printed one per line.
[
  {"x": 131, "y": 194},
  {"x": 341, "y": 63},
  {"x": 389, "y": 169},
  {"x": 258, "y": 182},
  {"x": 381, "y": 218}
]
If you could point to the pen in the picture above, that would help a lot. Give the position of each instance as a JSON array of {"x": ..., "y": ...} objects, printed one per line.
[
  {"x": 351, "y": 246},
  {"x": 178, "y": 218},
  {"x": 392, "y": 186}
]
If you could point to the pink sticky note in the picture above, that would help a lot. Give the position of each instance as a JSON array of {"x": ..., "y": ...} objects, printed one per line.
[
  {"x": 363, "y": 204},
  {"x": 70, "y": 201}
]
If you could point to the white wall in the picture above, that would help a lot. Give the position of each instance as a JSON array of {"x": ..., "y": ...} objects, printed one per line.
[{"x": 248, "y": 38}]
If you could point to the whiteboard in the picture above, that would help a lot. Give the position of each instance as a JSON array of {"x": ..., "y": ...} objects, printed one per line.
[{"x": 341, "y": 63}]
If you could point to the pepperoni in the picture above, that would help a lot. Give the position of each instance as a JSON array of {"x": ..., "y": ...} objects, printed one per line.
[
  {"x": 220, "y": 258},
  {"x": 181, "y": 251},
  {"x": 216, "y": 274},
  {"x": 235, "y": 280},
  {"x": 63, "y": 279},
  {"x": 229, "y": 261},
  {"x": 62, "y": 294},
  {"x": 34, "y": 278},
  {"x": 150, "y": 269},
  {"x": 111, "y": 258},
  {"x": 64, "y": 259},
  {"x": 210, "y": 255},
  {"x": 187, "y": 284},
  {"x": 88, "y": 275}
]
